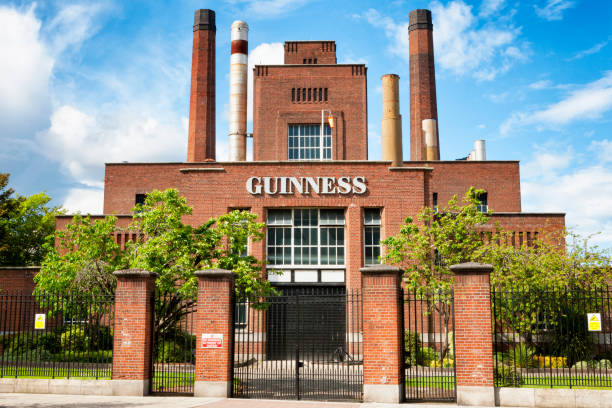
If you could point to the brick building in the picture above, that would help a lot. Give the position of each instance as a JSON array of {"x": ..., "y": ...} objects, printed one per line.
[{"x": 326, "y": 205}]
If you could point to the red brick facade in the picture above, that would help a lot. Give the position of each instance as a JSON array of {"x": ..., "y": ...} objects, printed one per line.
[
  {"x": 295, "y": 94},
  {"x": 133, "y": 328},
  {"x": 213, "y": 372},
  {"x": 18, "y": 279}
]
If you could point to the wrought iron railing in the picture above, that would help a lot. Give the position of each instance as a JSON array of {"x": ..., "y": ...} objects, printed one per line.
[
  {"x": 552, "y": 338},
  {"x": 56, "y": 335}
]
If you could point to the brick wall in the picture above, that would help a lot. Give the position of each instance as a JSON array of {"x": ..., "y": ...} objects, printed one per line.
[
  {"x": 18, "y": 278},
  {"x": 274, "y": 110},
  {"x": 297, "y": 51}
]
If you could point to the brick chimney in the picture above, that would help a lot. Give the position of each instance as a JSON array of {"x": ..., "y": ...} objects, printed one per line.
[
  {"x": 201, "y": 141},
  {"x": 422, "y": 82}
]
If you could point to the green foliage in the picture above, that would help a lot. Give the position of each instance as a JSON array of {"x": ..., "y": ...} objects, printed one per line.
[
  {"x": 426, "y": 356},
  {"x": 426, "y": 249},
  {"x": 75, "y": 338},
  {"x": 505, "y": 376},
  {"x": 522, "y": 356},
  {"x": 412, "y": 345},
  {"x": 25, "y": 224}
]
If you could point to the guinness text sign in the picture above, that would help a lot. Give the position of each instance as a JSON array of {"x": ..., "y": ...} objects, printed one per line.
[{"x": 306, "y": 185}]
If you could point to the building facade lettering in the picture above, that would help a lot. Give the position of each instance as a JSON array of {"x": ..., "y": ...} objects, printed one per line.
[{"x": 306, "y": 185}]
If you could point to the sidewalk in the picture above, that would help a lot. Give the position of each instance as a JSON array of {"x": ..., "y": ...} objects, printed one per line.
[{"x": 92, "y": 401}]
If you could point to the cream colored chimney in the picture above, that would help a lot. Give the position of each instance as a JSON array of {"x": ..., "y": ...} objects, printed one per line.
[
  {"x": 391, "y": 124},
  {"x": 430, "y": 136}
]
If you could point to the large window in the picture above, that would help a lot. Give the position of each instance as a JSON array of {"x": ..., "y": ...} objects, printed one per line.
[
  {"x": 483, "y": 205},
  {"x": 371, "y": 243},
  {"x": 305, "y": 237},
  {"x": 305, "y": 142}
]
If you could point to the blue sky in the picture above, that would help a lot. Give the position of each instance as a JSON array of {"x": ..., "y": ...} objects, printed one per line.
[{"x": 83, "y": 83}]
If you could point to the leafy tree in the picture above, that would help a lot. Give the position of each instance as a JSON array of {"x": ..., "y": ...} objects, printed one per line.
[
  {"x": 426, "y": 249},
  {"x": 25, "y": 223},
  {"x": 86, "y": 254}
]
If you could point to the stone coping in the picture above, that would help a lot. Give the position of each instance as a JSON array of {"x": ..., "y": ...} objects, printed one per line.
[
  {"x": 380, "y": 269},
  {"x": 472, "y": 267},
  {"x": 214, "y": 273},
  {"x": 135, "y": 273}
]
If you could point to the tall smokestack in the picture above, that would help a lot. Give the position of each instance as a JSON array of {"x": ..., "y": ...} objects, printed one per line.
[
  {"x": 391, "y": 124},
  {"x": 201, "y": 140},
  {"x": 422, "y": 81},
  {"x": 238, "y": 90}
]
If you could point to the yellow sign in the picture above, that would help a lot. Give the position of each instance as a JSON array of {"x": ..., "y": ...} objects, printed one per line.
[
  {"x": 39, "y": 321},
  {"x": 594, "y": 320}
]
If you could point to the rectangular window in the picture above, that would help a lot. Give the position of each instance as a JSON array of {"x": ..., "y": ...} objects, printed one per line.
[
  {"x": 305, "y": 142},
  {"x": 371, "y": 243},
  {"x": 435, "y": 202},
  {"x": 483, "y": 205},
  {"x": 241, "y": 313},
  {"x": 305, "y": 237},
  {"x": 140, "y": 198}
]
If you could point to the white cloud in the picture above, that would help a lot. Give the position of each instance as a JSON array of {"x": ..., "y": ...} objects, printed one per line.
[
  {"x": 551, "y": 183},
  {"x": 82, "y": 143},
  {"x": 489, "y": 7},
  {"x": 269, "y": 8},
  {"x": 593, "y": 50},
  {"x": 590, "y": 101},
  {"x": 603, "y": 150},
  {"x": 553, "y": 10},
  {"x": 263, "y": 54},
  {"x": 25, "y": 70},
  {"x": 541, "y": 84},
  {"x": 84, "y": 201},
  {"x": 464, "y": 44}
]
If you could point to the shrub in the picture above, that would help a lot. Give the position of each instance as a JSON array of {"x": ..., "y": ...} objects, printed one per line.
[
  {"x": 426, "y": 356},
  {"x": 550, "y": 361},
  {"x": 446, "y": 363},
  {"x": 507, "y": 376},
  {"x": 176, "y": 350},
  {"x": 605, "y": 364},
  {"x": 75, "y": 338},
  {"x": 451, "y": 345},
  {"x": 522, "y": 356},
  {"x": 412, "y": 345}
]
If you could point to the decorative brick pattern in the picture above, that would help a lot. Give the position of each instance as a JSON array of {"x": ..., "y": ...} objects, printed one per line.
[
  {"x": 382, "y": 334},
  {"x": 214, "y": 315},
  {"x": 133, "y": 324}
]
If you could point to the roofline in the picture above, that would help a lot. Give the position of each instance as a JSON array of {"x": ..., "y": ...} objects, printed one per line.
[
  {"x": 418, "y": 164},
  {"x": 308, "y": 65},
  {"x": 529, "y": 214}
]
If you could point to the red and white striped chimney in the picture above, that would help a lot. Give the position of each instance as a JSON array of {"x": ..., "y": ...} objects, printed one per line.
[
  {"x": 201, "y": 140},
  {"x": 238, "y": 90},
  {"x": 423, "y": 105}
]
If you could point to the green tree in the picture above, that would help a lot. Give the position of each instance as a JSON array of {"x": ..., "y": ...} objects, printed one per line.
[
  {"x": 426, "y": 249},
  {"x": 25, "y": 223},
  {"x": 86, "y": 254}
]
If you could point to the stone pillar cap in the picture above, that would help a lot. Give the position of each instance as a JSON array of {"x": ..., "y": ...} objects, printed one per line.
[
  {"x": 379, "y": 269},
  {"x": 135, "y": 273},
  {"x": 214, "y": 273},
  {"x": 471, "y": 267}
]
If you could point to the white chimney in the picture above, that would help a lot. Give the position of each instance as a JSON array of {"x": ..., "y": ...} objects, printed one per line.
[{"x": 238, "y": 90}]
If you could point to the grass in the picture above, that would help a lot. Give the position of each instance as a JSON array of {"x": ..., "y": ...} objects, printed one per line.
[
  {"x": 51, "y": 373},
  {"x": 173, "y": 381},
  {"x": 580, "y": 382},
  {"x": 436, "y": 381}
]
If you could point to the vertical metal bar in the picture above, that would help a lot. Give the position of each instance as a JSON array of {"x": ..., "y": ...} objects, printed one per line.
[{"x": 297, "y": 347}]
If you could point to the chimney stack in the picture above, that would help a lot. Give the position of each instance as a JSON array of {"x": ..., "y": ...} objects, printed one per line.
[
  {"x": 391, "y": 124},
  {"x": 201, "y": 140},
  {"x": 238, "y": 90},
  {"x": 430, "y": 135},
  {"x": 422, "y": 83}
]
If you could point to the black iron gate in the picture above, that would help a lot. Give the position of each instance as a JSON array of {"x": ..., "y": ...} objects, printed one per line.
[
  {"x": 429, "y": 346},
  {"x": 305, "y": 344},
  {"x": 173, "y": 346}
]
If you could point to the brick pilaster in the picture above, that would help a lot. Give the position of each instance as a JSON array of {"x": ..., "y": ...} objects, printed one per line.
[
  {"x": 473, "y": 334},
  {"x": 133, "y": 332},
  {"x": 382, "y": 336},
  {"x": 214, "y": 316}
]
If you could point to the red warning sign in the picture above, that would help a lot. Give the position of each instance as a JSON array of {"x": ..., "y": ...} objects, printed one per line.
[{"x": 212, "y": 340}]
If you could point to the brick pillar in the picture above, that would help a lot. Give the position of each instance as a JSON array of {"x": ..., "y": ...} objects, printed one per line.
[
  {"x": 133, "y": 332},
  {"x": 382, "y": 336},
  {"x": 473, "y": 334},
  {"x": 215, "y": 327}
]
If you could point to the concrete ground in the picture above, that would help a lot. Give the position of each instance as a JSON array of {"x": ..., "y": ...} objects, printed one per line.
[{"x": 91, "y": 401}]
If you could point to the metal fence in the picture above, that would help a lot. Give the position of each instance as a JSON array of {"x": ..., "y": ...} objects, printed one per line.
[
  {"x": 553, "y": 338},
  {"x": 299, "y": 346},
  {"x": 173, "y": 353},
  {"x": 51, "y": 335},
  {"x": 429, "y": 347}
]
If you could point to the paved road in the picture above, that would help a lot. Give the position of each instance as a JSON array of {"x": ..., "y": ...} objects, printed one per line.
[{"x": 91, "y": 401}]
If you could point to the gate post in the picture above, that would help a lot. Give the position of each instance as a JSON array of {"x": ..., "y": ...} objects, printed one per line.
[
  {"x": 214, "y": 322},
  {"x": 382, "y": 336},
  {"x": 133, "y": 331},
  {"x": 473, "y": 334}
]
